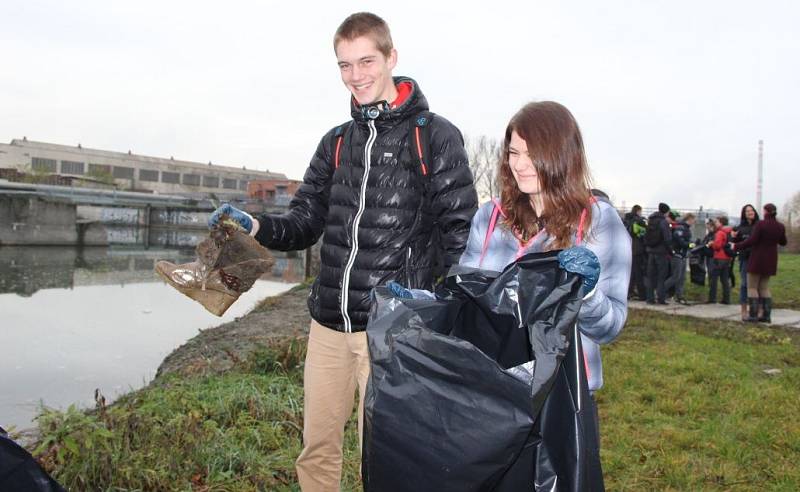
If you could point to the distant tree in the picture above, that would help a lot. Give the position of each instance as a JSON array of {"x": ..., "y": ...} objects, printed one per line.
[
  {"x": 791, "y": 210},
  {"x": 33, "y": 176},
  {"x": 101, "y": 175},
  {"x": 484, "y": 154},
  {"x": 791, "y": 217}
]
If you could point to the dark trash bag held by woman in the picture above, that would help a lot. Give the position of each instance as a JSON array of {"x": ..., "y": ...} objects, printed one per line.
[{"x": 483, "y": 389}]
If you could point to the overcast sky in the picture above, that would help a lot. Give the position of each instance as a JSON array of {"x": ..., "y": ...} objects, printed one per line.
[{"x": 672, "y": 96}]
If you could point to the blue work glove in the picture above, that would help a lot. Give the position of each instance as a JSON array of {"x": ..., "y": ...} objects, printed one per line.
[
  {"x": 398, "y": 290},
  {"x": 582, "y": 261},
  {"x": 242, "y": 218}
]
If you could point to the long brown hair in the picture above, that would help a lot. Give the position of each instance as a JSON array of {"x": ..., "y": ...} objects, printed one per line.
[{"x": 556, "y": 147}]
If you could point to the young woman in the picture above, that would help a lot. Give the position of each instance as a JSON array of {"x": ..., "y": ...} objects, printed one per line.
[
  {"x": 747, "y": 221},
  {"x": 767, "y": 234},
  {"x": 546, "y": 204}
]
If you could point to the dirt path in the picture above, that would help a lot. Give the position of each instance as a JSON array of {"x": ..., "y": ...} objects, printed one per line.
[{"x": 218, "y": 348}]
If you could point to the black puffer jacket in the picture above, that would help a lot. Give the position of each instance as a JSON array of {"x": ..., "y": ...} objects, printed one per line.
[{"x": 402, "y": 221}]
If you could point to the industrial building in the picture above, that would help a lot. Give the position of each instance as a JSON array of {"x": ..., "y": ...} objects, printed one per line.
[{"x": 83, "y": 166}]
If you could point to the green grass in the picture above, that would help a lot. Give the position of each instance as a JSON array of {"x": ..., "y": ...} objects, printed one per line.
[
  {"x": 238, "y": 431},
  {"x": 784, "y": 287},
  {"x": 686, "y": 406}
]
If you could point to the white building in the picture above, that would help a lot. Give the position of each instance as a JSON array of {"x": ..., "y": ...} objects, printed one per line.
[{"x": 130, "y": 171}]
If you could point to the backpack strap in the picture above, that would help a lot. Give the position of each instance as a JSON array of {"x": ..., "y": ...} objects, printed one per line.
[
  {"x": 496, "y": 211},
  {"x": 582, "y": 223},
  {"x": 338, "y": 136},
  {"x": 420, "y": 140},
  {"x": 489, "y": 231}
]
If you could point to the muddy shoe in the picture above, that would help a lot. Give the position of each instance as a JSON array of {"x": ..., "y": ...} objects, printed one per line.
[{"x": 228, "y": 264}]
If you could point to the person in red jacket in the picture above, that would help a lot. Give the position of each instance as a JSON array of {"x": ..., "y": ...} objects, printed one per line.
[
  {"x": 721, "y": 262},
  {"x": 763, "y": 263}
]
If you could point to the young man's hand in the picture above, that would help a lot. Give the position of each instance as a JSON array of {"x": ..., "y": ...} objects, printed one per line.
[
  {"x": 398, "y": 290},
  {"x": 242, "y": 218}
]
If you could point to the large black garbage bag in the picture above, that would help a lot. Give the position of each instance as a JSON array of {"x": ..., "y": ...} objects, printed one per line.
[
  {"x": 482, "y": 390},
  {"x": 19, "y": 472},
  {"x": 697, "y": 266}
]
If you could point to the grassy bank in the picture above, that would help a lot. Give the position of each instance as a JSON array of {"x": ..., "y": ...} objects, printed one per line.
[
  {"x": 686, "y": 406},
  {"x": 784, "y": 286},
  {"x": 240, "y": 430}
]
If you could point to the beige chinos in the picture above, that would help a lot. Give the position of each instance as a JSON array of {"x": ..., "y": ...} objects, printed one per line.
[{"x": 336, "y": 363}]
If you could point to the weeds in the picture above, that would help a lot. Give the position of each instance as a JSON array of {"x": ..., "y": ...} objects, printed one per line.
[{"x": 686, "y": 406}]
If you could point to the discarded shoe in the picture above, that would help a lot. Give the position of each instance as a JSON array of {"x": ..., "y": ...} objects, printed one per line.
[{"x": 228, "y": 264}]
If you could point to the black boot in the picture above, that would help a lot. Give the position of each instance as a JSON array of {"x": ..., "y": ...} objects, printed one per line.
[
  {"x": 752, "y": 306},
  {"x": 766, "y": 306}
]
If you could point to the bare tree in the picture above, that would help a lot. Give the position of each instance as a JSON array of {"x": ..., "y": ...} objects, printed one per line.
[
  {"x": 790, "y": 215},
  {"x": 791, "y": 210},
  {"x": 484, "y": 154}
]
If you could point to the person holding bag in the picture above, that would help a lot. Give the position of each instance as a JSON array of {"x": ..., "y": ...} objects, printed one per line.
[{"x": 546, "y": 204}]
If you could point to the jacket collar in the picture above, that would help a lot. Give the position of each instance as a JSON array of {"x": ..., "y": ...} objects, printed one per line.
[{"x": 383, "y": 115}]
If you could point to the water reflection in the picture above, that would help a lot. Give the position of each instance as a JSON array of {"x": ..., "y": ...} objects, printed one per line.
[
  {"x": 27, "y": 269},
  {"x": 75, "y": 320}
]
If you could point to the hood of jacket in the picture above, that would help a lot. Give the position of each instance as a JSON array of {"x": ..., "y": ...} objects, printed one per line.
[{"x": 414, "y": 103}]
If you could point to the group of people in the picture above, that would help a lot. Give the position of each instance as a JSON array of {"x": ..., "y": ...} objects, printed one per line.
[
  {"x": 660, "y": 247},
  {"x": 392, "y": 196},
  {"x": 662, "y": 244}
]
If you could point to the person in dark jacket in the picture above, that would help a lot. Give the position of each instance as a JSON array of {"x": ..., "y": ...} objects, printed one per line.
[
  {"x": 708, "y": 253},
  {"x": 658, "y": 244},
  {"x": 386, "y": 216},
  {"x": 740, "y": 233},
  {"x": 763, "y": 242},
  {"x": 721, "y": 262},
  {"x": 681, "y": 244},
  {"x": 636, "y": 227}
]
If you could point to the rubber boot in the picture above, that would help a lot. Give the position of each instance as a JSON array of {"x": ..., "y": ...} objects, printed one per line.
[
  {"x": 228, "y": 264},
  {"x": 752, "y": 304},
  {"x": 766, "y": 306}
]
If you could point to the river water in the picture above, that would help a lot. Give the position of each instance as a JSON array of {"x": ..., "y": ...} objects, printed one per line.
[{"x": 72, "y": 321}]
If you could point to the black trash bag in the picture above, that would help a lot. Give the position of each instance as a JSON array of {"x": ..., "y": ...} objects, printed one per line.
[
  {"x": 484, "y": 389},
  {"x": 697, "y": 265},
  {"x": 19, "y": 471}
]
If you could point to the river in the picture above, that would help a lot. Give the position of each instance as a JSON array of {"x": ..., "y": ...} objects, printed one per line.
[{"x": 73, "y": 321}]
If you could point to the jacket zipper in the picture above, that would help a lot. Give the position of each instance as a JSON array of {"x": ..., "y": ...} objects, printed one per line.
[
  {"x": 408, "y": 268},
  {"x": 362, "y": 201}
]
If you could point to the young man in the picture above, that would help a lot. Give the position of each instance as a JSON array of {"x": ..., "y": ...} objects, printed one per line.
[
  {"x": 637, "y": 226},
  {"x": 387, "y": 215},
  {"x": 658, "y": 243},
  {"x": 681, "y": 244}
]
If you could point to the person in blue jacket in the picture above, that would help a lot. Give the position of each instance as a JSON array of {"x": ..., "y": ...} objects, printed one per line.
[{"x": 546, "y": 204}]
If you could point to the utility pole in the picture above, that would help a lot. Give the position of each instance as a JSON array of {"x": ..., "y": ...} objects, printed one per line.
[{"x": 759, "y": 182}]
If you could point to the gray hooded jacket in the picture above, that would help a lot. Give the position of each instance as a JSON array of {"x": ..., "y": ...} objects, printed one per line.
[{"x": 605, "y": 309}]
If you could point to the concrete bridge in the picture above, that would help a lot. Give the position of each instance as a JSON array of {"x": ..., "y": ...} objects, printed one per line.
[{"x": 32, "y": 214}]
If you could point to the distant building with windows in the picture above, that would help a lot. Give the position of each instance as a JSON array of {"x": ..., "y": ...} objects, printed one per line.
[
  {"x": 128, "y": 171},
  {"x": 278, "y": 191}
]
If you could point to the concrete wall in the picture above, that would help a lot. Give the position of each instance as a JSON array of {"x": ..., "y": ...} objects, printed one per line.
[{"x": 31, "y": 220}]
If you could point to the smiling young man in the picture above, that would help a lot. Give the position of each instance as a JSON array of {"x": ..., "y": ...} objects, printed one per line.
[{"x": 392, "y": 191}]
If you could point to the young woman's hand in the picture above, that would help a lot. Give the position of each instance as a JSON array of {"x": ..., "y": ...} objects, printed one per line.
[{"x": 582, "y": 261}]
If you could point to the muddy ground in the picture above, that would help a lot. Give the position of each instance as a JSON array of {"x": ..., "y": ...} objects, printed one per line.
[{"x": 217, "y": 349}]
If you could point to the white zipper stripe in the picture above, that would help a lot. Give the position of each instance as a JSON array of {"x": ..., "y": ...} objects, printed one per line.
[
  {"x": 577, "y": 365},
  {"x": 362, "y": 202}
]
